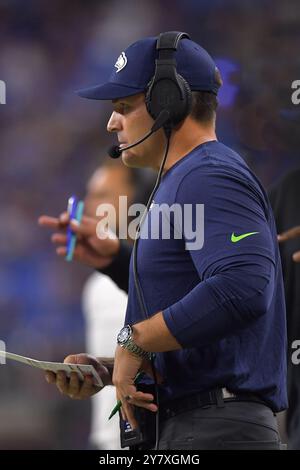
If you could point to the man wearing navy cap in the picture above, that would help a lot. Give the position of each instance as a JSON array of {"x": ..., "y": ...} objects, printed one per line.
[{"x": 212, "y": 311}]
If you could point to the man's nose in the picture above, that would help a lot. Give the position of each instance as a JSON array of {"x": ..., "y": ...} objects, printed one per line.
[{"x": 114, "y": 123}]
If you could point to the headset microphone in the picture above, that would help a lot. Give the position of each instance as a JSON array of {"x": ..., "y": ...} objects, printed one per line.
[{"x": 115, "y": 150}]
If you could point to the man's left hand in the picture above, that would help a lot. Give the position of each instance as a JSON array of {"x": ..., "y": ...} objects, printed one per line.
[{"x": 126, "y": 366}]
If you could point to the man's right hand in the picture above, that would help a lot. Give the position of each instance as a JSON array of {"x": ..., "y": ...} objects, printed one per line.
[
  {"x": 73, "y": 386},
  {"x": 90, "y": 249}
]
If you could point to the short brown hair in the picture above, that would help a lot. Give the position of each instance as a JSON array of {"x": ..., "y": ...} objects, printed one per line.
[{"x": 205, "y": 103}]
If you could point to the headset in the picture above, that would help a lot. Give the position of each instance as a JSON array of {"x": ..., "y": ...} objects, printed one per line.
[{"x": 167, "y": 90}]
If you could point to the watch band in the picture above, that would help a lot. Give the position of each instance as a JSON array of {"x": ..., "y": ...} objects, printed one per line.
[
  {"x": 132, "y": 347},
  {"x": 129, "y": 344}
]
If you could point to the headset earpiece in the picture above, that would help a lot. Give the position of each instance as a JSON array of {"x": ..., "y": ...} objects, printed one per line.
[{"x": 167, "y": 89}]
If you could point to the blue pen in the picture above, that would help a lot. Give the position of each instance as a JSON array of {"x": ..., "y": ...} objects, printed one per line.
[{"x": 75, "y": 210}]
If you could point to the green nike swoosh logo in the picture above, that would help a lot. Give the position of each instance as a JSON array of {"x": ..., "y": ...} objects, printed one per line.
[{"x": 237, "y": 238}]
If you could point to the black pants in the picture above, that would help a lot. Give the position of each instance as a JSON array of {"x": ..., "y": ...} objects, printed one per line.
[{"x": 237, "y": 425}]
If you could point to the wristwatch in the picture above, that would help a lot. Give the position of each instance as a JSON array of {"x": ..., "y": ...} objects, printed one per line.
[{"x": 125, "y": 340}]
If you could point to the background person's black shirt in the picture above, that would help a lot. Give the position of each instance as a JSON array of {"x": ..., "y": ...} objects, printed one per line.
[{"x": 285, "y": 200}]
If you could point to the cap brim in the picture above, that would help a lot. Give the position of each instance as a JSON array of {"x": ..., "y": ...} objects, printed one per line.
[{"x": 108, "y": 91}]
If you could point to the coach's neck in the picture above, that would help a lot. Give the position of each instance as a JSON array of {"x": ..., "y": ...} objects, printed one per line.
[{"x": 186, "y": 137}]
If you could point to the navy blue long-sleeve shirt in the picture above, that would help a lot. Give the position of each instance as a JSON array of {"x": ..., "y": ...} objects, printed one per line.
[{"x": 221, "y": 294}]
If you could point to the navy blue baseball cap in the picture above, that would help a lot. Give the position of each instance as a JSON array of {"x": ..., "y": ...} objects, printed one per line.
[{"x": 135, "y": 67}]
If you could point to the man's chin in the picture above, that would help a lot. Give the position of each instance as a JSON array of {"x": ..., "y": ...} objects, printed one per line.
[{"x": 131, "y": 160}]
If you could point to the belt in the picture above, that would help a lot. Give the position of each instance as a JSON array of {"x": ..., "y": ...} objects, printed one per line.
[{"x": 216, "y": 397}]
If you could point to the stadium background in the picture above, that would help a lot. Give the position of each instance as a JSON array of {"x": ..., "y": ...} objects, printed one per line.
[{"x": 51, "y": 141}]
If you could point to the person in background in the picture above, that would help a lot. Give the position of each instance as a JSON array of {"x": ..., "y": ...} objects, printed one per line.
[
  {"x": 103, "y": 302},
  {"x": 285, "y": 197}
]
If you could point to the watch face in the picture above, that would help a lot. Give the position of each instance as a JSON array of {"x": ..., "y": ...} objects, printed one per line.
[{"x": 124, "y": 334}]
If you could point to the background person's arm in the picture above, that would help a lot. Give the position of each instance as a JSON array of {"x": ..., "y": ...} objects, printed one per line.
[
  {"x": 118, "y": 269},
  {"x": 291, "y": 234},
  {"x": 284, "y": 197},
  {"x": 109, "y": 255}
]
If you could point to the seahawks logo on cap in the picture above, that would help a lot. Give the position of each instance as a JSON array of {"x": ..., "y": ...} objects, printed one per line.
[{"x": 121, "y": 62}]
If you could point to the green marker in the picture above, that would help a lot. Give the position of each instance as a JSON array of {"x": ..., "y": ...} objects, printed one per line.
[{"x": 119, "y": 403}]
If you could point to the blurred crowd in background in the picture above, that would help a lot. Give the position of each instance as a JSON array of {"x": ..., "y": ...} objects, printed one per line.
[{"x": 52, "y": 141}]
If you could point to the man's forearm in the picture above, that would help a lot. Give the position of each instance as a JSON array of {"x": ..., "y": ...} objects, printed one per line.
[{"x": 153, "y": 335}]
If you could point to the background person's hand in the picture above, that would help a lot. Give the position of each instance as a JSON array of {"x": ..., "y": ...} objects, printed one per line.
[
  {"x": 290, "y": 235},
  {"x": 90, "y": 249},
  {"x": 73, "y": 386}
]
